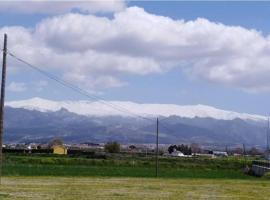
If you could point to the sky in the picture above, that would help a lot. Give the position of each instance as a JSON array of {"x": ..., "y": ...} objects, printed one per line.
[{"x": 186, "y": 53}]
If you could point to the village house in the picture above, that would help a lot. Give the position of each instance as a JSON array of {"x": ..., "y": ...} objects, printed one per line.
[{"x": 59, "y": 149}]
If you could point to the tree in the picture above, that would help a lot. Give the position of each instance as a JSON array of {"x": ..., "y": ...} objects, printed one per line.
[
  {"x": 54, "y": 142},
  {"x": 254, "y": 151},
  {"x": 238, "y": 150},
  {"x": 195, "y": 148},
  {"x": 112, "y": 147},
  {"x": 171, "y": 148},
  {"x": 132, "y": 147},
  {"x": 185, "y": 149}
]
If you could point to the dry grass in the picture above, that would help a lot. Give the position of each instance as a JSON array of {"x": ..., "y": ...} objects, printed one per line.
[{"x": 130, "y": 188}]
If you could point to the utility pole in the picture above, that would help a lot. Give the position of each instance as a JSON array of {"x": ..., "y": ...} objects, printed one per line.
[
  {"x": 157, "y": 150},
  {"x": 267, "y": 141},
  {"x": 244, "y": 153},
  {"x": 2, "y": 102}
]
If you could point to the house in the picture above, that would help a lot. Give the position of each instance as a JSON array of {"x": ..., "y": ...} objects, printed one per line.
[
  {"x": 177, "y": 154},
  {"x": 59, "y": 149},
  {"x": 31, "y": 146},
  {"x": 207, "y": 155},
  {"x": 220, "y": 153}
]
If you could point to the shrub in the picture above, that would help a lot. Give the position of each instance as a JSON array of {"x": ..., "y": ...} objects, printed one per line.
[
  {"x": 267, "y": 176},
  {"x": 55, "y": 141},
  {"x": 112, "y": 147}
]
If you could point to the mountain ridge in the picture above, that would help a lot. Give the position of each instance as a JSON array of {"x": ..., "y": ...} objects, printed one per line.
[
  {"x": 115, "y": 108},
  {"x": 22, "y": 125}
]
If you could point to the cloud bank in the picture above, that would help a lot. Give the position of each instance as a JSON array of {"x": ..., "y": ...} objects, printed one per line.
[
  {"x": 97, "y": 52},
  {"x": 60, "y": 7}
]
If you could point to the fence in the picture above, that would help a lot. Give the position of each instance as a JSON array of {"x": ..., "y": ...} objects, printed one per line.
[{"x": 259, "y": 168}]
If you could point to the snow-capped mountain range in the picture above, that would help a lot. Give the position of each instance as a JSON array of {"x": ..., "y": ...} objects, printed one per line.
[
  {"x": 40, "y": 120},
  {"x": 126, "y": 108}
]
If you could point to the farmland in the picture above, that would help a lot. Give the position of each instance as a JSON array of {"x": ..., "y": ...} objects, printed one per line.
[
  {"x": 128, "y": 177},
  {"x": 124, "y": 166},
  {"x": 131, "y": 188}
]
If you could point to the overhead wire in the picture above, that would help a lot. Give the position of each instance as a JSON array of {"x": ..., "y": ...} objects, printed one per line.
[
  {"x": 91, "y": 96},
  {"x": 84, "y": 92},
  {"x": 77, "y": 89},
  {"x": 87, "y": 94}
]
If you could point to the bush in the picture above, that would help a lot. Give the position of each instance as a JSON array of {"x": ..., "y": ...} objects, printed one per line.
[
  {"x": 267, "y": 176},
  {"x": 112, "y": 147},
  {"x": 56, "y": 141}
]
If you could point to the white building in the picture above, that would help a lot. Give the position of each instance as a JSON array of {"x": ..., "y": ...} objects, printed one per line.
[
  {"x": 220, "y": 153},
  {"x": 177, "y": 154}
]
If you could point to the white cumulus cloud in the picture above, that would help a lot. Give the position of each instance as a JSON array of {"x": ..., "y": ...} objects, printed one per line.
[{"x": 96, "y": 52}]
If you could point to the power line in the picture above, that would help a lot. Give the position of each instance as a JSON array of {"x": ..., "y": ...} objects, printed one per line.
[
  {"x": 76, "y": 88},
  {"x": 85, "y": 93},
  {"x": 101, "y": 100}
]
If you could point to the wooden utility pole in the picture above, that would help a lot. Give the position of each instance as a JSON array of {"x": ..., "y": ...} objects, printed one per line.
[
  {"x": 2, "y": 101},
  {"x": 157, "y": 150},
  {"x": 244, "y": 153},
  {"x": 267, "y": 141}
]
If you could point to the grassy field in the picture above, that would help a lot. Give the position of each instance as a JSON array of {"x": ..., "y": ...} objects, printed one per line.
[
  {"x": 70, "y": 188},
  {"x": 119, "y": 171},
  {"x": 127, "y": 177},
  {"x": 48, "y": 165}
]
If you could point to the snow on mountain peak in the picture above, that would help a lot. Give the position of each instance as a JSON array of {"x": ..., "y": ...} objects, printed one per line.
[{"x": 114, "y": 108}]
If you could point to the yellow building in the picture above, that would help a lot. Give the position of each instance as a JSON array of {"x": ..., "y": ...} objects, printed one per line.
[{"x": 57, "y": 149}]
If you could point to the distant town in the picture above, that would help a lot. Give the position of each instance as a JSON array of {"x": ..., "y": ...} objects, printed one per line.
[{"x": 56, "y": 146}]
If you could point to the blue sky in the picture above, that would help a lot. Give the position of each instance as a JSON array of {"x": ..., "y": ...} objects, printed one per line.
[{"x": 172, "y": 84}]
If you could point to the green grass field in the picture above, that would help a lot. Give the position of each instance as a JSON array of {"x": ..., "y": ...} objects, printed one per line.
[
  {"x": 128, "y": 177},
  {"x": 48, "y": 188},
  {"x": 119, "y": 171},
  {"x": 49, "y": 165}
]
